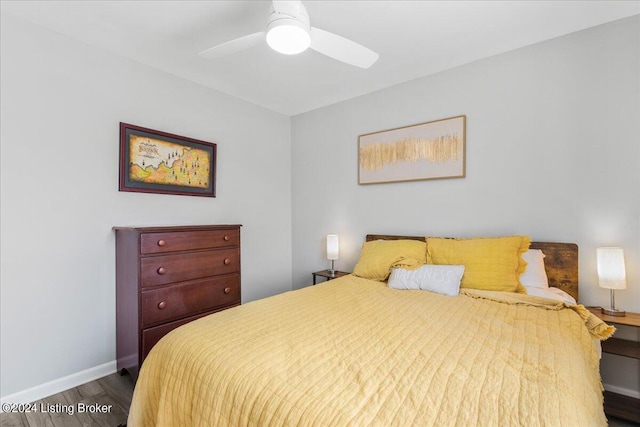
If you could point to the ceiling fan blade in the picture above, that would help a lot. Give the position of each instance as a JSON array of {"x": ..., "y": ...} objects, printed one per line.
[
  {"x": 287, "y": 7},
  {"x": 345, "y": 50},
  {"x": 233, "y": 46}
]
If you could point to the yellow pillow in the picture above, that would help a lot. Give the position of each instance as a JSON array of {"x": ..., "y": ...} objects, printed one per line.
[
  {"x": 379, "y": 256},
  {"x": 493, "y": 264}
]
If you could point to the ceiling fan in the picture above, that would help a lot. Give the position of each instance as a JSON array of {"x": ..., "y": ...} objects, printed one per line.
[{"x": 289, "y": 32}]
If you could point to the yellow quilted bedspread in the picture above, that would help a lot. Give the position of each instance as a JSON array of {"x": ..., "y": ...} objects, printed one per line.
[{"x": 354, "y": 352}]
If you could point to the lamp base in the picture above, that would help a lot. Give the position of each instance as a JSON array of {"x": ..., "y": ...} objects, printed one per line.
[
  {"x": 613, "y": 312},
  {"x": 332, "y": 270}
]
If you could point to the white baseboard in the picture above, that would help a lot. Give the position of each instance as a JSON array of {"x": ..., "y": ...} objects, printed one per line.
[
  {"x": 61, "y": 384},
  {"x": 621, "y": 390}
]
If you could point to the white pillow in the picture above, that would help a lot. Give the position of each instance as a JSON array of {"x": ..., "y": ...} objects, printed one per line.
[
  {"x": 552, "y": 293},
  {"x": 442, "y": 279},
  {"x": 534, "y": 276}
]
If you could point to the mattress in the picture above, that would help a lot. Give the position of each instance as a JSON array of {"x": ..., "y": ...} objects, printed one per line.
[{"x": 353, "y": 352}]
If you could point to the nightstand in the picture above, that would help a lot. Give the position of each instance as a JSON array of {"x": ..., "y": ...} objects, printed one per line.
[
  {"x": 615, "y": 404},
  {"x": 328, "y": 275}
]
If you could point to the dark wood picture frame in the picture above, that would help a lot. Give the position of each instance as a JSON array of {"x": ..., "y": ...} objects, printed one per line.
[{"x": 152, "y": 161}]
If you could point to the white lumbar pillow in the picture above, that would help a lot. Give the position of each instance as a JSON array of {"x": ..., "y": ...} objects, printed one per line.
[{"x": 442, "y": 279}]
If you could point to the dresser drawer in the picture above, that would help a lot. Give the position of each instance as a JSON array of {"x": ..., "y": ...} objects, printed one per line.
[
  {"x": 176, "y": 301},
  {"x": 151, "y": 336},
  {"x": 153, "y": 243},
  {"x": 163, "y": 269}
]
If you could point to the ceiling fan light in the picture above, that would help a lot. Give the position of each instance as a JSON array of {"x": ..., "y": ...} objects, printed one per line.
[{"x": 288, "y": 36}]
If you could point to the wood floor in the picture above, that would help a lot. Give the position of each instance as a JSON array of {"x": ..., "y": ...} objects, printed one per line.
[
  {"x": 114, "y": 391},
  {"x": 111, "y": 394}
]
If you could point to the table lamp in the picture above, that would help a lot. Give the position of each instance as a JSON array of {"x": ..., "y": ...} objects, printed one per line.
[
  {"x": 333, "y": 251},
  {"x": 611, "y": 275}
]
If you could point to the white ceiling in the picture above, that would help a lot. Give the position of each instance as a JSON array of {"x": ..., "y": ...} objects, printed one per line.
[{"x": 413, "y": 38}]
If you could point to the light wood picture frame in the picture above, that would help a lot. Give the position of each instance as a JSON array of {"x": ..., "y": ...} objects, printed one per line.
[{"x": 431, "y": 150}]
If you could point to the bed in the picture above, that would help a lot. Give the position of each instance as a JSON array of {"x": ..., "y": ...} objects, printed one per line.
[{"x": 352, "y": 351}]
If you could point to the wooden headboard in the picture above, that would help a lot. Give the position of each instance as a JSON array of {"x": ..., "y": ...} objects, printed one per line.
[{"x": 560, "y": 262}]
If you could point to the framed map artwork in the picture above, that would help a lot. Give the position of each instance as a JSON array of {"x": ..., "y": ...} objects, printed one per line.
[{"x": 158, "y": 162}]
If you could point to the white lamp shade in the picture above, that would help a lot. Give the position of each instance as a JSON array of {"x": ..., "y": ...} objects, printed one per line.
[
  {"x": 333, "y": 247},
  {"x": 611, "y": 272}
]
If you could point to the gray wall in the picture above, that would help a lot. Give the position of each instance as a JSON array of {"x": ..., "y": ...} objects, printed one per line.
[
  {"x": 553, "y": 151},
  {"x": 61, "y": 104}
]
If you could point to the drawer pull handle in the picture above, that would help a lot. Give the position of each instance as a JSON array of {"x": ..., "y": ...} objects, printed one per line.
[
  {"x": 162, "y": 270},
  {"x": 226, "y": 238},
  {"x": 161, "y": 242},
  {"x": 227, "y": 290},
  {"x": 227, "y": 261},
  {"x": 162, "y": 305}
]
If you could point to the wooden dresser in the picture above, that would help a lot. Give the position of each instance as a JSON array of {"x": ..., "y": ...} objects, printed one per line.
[{"x": 169, "y": 276}]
